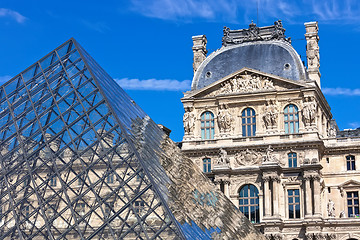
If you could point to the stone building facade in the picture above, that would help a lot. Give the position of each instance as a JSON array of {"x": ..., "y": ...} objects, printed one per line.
[{"x": 257, "y": 123}]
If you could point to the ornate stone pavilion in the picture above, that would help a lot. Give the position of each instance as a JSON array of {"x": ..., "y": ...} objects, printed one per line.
[
  {"x": 80, "y": 160},
  {"x": 258, "y": 125}
]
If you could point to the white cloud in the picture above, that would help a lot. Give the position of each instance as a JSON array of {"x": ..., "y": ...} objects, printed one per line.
[
  {"x": 154, "y": 84},
  {"x": 345, "y": 11},
  {"x": 4, "y": 12},
  {"x": 354, "y": 125},
  {"x": 341, "y": 91},
  {"x": 4, "y": 79}
]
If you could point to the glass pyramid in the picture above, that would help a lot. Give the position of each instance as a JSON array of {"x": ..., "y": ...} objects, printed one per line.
[{"x": 80, "y": 160}]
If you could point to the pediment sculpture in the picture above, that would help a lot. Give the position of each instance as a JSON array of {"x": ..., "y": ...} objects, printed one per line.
[{"x": 244, "y": 83}]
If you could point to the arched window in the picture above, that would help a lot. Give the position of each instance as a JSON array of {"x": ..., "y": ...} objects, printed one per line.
[
  {"x": 249, "y": 202},
  {"x": 248, "y": 121},
  {"x": 292, "y": 159},
  {"x": 206, "y": 165},
  {"x": 207, "y": 125},
  {"x": 291, "y": 119}
]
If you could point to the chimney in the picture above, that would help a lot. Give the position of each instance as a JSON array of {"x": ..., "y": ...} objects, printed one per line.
[
  {"x": 312, "y": 51},
  {"x": 199, "y": 50}
]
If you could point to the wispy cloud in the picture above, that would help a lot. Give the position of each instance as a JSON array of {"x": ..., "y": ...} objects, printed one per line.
[
  {"x": 5, "y": 12},
  {"x": 154, "y": 84},
  {"x": 354, "y": 124},
  {"x": 4, "y": 79},
  {"x": 100, "y": 27},
  {"x": 341, "y": 91},
  {"x": 237, "y": 11}
]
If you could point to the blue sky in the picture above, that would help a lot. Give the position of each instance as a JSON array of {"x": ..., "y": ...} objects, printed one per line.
[{"x": 146, "y": 44}]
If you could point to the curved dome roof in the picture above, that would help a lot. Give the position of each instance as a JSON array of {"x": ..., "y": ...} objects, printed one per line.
[{"x": 276, "y": 57}]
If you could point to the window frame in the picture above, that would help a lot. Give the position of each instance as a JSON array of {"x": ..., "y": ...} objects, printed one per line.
[
  {"x": 293, "y": 203},
  {"x": 291, "y": 119},
  {"x": 292, "y": 159},
  {"x": 248, "y": 122},
  {"x": 350, "y": 162},
  {"x": 207, "y": 125},
  {"x": 354, "y": 207},
  {"x": 256, "y": 203}
]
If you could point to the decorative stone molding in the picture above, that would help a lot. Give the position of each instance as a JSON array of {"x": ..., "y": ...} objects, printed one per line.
[{"x": 254, "y": 33}]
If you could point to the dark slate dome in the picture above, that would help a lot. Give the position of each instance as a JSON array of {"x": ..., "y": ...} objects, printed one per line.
[{"x": 274, "y": 56}]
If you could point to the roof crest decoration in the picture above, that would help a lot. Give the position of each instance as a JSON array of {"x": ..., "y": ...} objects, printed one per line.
[{"x": 254, "y": 33}]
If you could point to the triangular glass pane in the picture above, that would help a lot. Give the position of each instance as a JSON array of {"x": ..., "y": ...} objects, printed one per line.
[{"x": 80, "y": 160}]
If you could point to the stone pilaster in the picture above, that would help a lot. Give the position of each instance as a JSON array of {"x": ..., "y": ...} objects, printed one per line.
[
  {"x": 317, "y": 194},
  {"x": 267, "y": 196},
  {"x": 308, "y": 197},
  {"x": 276, "y": 182}
]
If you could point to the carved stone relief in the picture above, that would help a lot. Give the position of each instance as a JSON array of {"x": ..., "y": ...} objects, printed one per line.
[
  {"x": 331, "y": 208},
  {"x": 248, "y": 158},
  {"x": 244, "y": 83},
  {"x": 309, "y": 111},
  {"x": 223, "y": 159},
  {"x": 270, "y": 114},
  {"x": 332, "y": 132},
  {"x": 189, "y": 121},
  {"x": 225, "y": 119},
  {"x": 269, "y": 156}
]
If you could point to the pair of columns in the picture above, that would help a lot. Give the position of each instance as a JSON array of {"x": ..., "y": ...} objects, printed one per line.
[
  {"x": 271, "y": 199},
  {"x": 312, "y": 195}
]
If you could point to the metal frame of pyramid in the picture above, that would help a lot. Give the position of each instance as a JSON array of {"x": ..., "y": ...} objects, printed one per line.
[{"x": 79, "y": 159}]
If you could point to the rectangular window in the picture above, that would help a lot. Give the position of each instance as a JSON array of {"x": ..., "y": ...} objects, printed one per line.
[
  {"x": 110, "y": 178},
  {"x": 80, "y": 208},
  {"x": 292, "y": 159},
  {"x": 350, "y": 163},
  {"x": 353, "y": 204},
  {"x": 52, "y": 181},
  {"x": 26, "y": 210},
  {"x": 139, "y": 206},
  {"x": 294, "y": 203},
  {"x": 206, "y": 165}
]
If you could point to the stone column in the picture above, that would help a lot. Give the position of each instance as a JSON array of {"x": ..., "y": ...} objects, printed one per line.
[
  {"x": 267, "y": 196},
  {"x": 227, "y": 188},
  {"x": 317, "y": 194},
  {"x": 308, "y": 197},
  {"x": 275, "y": 182},
  {"x": 312, "y": 51},
  {"x": 199, "y": 50}
]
